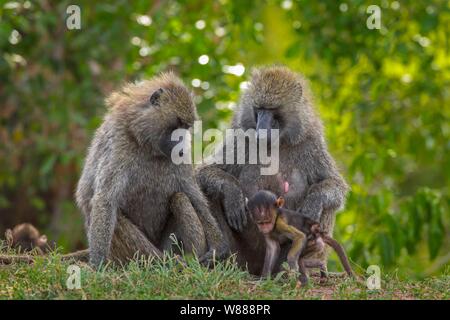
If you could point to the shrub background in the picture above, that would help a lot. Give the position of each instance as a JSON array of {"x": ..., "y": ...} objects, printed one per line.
[{"x": 383, "y": 96}]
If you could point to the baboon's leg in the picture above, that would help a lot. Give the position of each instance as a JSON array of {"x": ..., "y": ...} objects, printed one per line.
[
  {"x": 327, "y": 225},
  {"x": 303, "y": 274},
  {"x": 186, "y": 226},
  {"x": 128, "y": 241},
  {"x": 316, "y": 263}
]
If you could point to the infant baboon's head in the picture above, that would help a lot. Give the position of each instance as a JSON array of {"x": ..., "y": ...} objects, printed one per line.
[
  {"x": 25, "y": 237},
  {"x": 152, "y": 109}
]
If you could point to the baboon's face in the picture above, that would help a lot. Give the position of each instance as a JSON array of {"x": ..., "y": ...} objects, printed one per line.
[
  {"x": 163, "y": 121},
  {"x": 170, "y": 137},
  {"x": 271, "y": 101},
  {"x": 266, "y": 119},
  {"x": 265, "y": 217},
  {"x": 263, "y": 208}
]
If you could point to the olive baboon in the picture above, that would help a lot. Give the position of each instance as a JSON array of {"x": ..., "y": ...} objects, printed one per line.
[
  {"x": 25, "y": 237},
  {"x": 276, "y": 98},
  {"x": 131, "y": 193},
  {"x": 28, "y": 241},
  {"x": 276, "y": 223}
]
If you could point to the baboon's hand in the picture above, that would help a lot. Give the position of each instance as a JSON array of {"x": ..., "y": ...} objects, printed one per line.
[
  {"x": 215, "y": 254},
  {"x": 234, "y": 206},
  {"x": 315, "y": 228},
  {"x": 312, "y": 207},
  {"x": 95, "y": 264},
  {"x": 96, "y": 261}
]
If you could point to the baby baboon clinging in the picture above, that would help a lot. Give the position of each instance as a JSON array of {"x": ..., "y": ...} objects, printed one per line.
[
  {"x": 276, "y": 224},
  {"x": 276, "y": 98},
  {"x": 131, "y": 193}
]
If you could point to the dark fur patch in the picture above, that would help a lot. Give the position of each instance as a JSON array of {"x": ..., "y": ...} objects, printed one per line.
[
  {"x": 154, "y": 99},
  {"x": 262, "y": 198}
]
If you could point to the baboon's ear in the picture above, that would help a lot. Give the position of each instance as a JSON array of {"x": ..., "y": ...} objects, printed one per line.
[
  {"x": 280, "y": 202},
  {"x": 43, "y": 239},
  {"x": 154, "y": 99}
]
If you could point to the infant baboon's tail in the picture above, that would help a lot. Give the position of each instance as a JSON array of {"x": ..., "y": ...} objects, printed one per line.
[{"x": 340, "y": 252}]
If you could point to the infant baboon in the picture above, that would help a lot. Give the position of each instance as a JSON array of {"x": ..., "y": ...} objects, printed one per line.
[
  {"x": 276, "y": 98},
  {"x": 25, "y": 237},
  {"x": 27, "y": 240},
  {"x": 277, "y": 223},
  {"x": 132, "y": 194}
]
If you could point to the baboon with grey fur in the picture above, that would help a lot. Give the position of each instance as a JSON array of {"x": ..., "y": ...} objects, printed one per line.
[
  {"x": 276, "y": 98},
  {"x": 131, "y": 193}
]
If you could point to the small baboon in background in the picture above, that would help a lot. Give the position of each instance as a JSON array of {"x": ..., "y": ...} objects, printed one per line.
[
  {"x": 276, "y": 98},
  {"x": 131, "y": 193},
  {"x": 25, "y": 237}
]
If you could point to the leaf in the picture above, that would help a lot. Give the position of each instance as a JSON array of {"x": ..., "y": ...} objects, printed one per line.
[
  {"x": 293, "y": 50},
  {"x": 436, "y": 231},
  {"x": 386, "y": 248},
  {"x": 48, "y": 165}
]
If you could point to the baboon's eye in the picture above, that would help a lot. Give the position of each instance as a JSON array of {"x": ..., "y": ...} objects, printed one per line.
[
  {"x": 276, "y": 121},
  {"x": 155, "y": 98}
]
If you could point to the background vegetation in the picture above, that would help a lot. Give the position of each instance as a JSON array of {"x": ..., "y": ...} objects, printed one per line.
[{"x": 383, "y": 95}]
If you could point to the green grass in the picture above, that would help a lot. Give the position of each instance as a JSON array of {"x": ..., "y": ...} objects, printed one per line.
[{"x": 167, "y": 279}]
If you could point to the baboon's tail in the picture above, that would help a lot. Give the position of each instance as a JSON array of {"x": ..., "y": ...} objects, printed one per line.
[
  {"x": 81, "y": 255},
  {"x": 340, "y": 252},
  {"x": 10, "y": 259}
]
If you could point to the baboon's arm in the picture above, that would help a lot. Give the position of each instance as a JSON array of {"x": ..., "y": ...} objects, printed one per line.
[
  {"x": 189, "y": 227},
  {"x": 212, "y": 180},
  {"x": 219, "y": 185},
  {"x": 329, "y": 190},
  {"x": 101, "y": 229},
  {"x": 217, "y": 244}
]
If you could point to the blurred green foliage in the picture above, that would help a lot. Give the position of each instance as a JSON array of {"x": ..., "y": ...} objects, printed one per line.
[{"x": 383, "y": 95}]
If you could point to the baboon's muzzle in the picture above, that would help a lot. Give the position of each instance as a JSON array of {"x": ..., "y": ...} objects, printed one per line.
[{"x": 264, "y": 121}]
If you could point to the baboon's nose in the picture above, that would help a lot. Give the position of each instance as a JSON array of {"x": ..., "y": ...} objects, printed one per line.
[{"x": 264, "y": 122}]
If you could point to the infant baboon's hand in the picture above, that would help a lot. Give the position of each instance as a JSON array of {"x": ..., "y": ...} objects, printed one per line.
[{"x": 315, "y": 228}]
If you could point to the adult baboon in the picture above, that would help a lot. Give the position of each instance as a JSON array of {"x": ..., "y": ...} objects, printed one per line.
[
  {"x": 131, "y": 193},
  {"x": 276, "y": 98}
]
